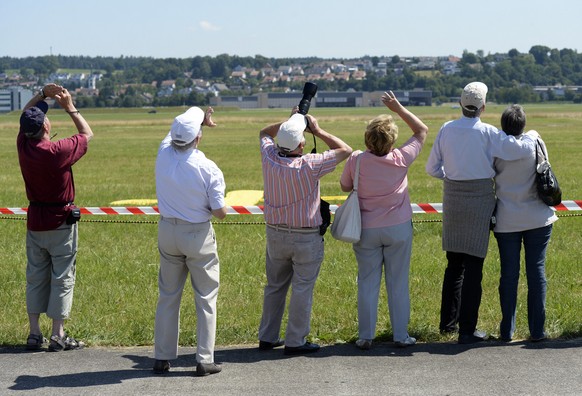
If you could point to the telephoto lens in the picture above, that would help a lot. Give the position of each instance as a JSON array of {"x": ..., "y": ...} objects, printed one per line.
[{"x": 309, "y": 91}]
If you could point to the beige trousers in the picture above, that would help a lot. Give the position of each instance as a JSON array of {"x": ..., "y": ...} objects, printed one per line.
[{"x": 186, "y": 248}]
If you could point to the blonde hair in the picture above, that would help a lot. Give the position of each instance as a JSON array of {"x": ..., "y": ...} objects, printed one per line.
[{"x": 381, "y": 133}]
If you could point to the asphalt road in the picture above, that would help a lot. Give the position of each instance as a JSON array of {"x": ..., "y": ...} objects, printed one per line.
[{"x": 490, "y": 368}]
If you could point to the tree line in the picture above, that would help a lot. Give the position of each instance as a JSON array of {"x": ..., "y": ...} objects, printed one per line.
[{"x": 510, "y": 76}]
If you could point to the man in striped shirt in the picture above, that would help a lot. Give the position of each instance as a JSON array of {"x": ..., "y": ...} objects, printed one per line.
[{"x": 292, "y": 213}]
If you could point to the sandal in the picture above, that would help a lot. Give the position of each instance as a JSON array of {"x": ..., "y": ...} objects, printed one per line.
[
  {"x": 66, "y": 343},
  {"x": 34, "y": 342}
]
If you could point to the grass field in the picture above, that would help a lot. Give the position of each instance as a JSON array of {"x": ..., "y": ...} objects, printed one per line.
[{"x": 116, "y": 289}]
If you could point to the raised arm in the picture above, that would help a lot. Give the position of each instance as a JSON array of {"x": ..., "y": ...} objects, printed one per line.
[
  {"x": 208, "y": 118},
  {"x": 419, "y": 129},
  {"x": 66, "y": 102},
  {"x": 341, "y": 148},
  {"x": 270, "y": 130},
  {"x": 48, "y": 91}
]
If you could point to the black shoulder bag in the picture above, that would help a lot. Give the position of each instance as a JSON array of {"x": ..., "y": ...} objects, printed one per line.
[
  {"x": 323, "y": 205},
  {"x": 547, "y": 184}
]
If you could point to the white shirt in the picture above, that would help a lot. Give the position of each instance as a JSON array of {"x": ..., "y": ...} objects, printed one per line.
[
  {"x": 188, "y": 185},
  {"x": 518, "y": 206},
  {"x": 464, "y": 150}
]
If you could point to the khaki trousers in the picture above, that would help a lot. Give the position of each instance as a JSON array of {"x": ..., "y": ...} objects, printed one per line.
[
  {"x": 51, "y": 270},
  {"x": 186, "y": 248}
]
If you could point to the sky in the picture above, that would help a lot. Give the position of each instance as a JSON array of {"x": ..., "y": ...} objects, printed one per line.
[{"x": 285, "y": 29}]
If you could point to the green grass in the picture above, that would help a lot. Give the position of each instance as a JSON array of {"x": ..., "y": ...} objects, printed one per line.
[{"x": 116, "y": 289}]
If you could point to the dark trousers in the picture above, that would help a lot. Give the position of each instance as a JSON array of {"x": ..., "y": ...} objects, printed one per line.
[{"x": 461, "y": 294}]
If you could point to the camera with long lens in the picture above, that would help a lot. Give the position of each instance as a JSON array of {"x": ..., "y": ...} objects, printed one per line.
[{"x": 309, "y": 91}]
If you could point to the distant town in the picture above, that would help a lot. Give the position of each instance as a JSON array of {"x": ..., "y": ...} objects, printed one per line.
[{"x": 542, "y": 74}]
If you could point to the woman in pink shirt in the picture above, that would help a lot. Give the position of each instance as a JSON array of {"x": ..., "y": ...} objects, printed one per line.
[{"x": 386, "y": 240}]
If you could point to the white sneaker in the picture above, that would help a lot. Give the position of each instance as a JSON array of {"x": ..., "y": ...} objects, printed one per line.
[
  {"x": 364, "y": 344},
  {"x": 408, "y": 341}
]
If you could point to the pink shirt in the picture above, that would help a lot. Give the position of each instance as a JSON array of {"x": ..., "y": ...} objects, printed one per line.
[
  {"x": 291, "y": 185},
  {"x": 383, "y": 184}
]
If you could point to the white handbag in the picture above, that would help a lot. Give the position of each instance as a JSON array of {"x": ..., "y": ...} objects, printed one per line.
[{"x": 347, "y": 223}]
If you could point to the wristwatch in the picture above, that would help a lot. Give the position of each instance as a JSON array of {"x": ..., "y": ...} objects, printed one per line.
[{"x": 41, "y": 93}]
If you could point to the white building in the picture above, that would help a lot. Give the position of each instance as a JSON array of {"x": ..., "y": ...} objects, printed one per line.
[{"x": 14, "y": 98}]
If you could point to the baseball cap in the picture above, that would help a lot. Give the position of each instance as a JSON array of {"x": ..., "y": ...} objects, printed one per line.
[
  {"x": 32, "y": 119},
  {"x": 291, "y": 132},
  {"x": 187, "y": 126},
  {"x": 474, "y": 94}
]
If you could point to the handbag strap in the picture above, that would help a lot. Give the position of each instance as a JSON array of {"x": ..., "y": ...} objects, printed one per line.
[
  {"x": 538, "y": 149},
  {"x": 357, "y": 172}
]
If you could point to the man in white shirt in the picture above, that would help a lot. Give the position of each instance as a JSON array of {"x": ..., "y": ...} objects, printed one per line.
[
  {"x": 190, "y": 190},
  {"x": 462, "y": 156}
]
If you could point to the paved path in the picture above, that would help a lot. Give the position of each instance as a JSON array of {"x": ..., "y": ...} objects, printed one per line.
[{"x": 491, "y": 368}]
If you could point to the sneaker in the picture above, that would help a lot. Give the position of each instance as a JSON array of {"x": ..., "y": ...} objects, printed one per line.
[
  {"x": 34, "y": 342},
  {"x": 204, "y": 369},
  {"x": 408, "y": 341},
  {"x": 364, "y": 344},
  {"x": 66, "y": 343}
]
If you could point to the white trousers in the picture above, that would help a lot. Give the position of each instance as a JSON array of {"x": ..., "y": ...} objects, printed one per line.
[
  {"x": 387, "y": 248},
  {"x": 186, "y": 248}
]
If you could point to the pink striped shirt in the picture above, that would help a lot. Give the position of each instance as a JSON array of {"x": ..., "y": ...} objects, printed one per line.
[{"x": 291, "y": 185}]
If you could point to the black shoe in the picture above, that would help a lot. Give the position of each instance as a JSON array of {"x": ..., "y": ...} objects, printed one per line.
[
  {"x": 267, "y": 346},
  {"x": 449, "y": 330},
  {"x": 204, "y": 369},
  {"x": 544, "y": 337},
  {"x": 161, "y": 366},
  {"x": 477, "y": 336},
  {"x": 308, "y": 347}
]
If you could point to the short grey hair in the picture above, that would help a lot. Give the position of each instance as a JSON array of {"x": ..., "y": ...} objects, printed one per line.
[
  {"x": 38, "y": 135},
  {"x": 184, "y": 147},
  {"x": 471, "y": 111}
]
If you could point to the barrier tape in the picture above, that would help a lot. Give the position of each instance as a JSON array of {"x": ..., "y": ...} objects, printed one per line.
[{"x": 420, "y": 208}]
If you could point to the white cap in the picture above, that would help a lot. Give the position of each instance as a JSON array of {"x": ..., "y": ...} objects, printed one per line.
[
  {"x": 187, "y": 126},
  {"x": 474, "y": 94},
  {"x": 290, "y": 133}
]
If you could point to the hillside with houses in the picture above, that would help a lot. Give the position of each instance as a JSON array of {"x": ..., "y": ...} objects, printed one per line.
[{"x": 542, "y": 74}]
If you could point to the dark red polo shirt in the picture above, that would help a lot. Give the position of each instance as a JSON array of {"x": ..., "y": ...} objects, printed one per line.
[{"x": 48, "y": 177}]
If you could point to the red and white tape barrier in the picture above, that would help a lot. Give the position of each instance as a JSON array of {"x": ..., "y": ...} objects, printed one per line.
[{"x": 256, "y": 210}]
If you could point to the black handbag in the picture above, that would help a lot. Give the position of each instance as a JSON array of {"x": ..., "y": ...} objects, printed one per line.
[{"x": 547, "y": 184}]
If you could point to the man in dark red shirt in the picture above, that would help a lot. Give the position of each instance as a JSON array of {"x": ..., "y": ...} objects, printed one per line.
[{"x": 52, "y": 235}]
